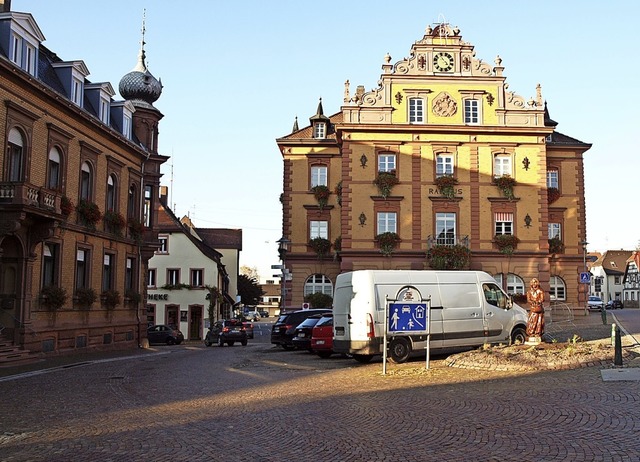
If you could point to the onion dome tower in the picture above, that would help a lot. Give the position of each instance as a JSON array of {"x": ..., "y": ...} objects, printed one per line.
[{"x": 142, "y": 89}]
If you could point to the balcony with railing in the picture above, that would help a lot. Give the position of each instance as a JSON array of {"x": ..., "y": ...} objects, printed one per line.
[
  {"x": 29, "y": 195},
  {"x": 448, "y": 252}
]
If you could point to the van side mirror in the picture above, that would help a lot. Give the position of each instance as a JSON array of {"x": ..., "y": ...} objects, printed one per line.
[{"x": 509, "y": 302}]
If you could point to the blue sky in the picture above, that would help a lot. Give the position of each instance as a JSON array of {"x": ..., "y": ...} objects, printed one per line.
[{"x": 237, "y": 73}]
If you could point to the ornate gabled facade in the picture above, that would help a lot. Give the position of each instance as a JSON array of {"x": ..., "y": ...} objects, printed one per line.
[
  {"x": 631, "y": 281},
  {"x": 79, "y": 180},
  {"x": 440, "y": 166}
]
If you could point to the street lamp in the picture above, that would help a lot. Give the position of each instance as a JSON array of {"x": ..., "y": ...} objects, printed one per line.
[
  {"x": 283, "y": 248},
  {"x": 584, "y": 245}
]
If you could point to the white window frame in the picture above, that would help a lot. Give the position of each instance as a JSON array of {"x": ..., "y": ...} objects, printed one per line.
[
  {"x": 320, "y": 130},
  {"x": 553, "y": 180},
  {"x": 105, "y": 113},
  {"x": 319, "y": 175},
  {"x": 16, "y": 52},
  {"x": 196, "y": 277},
  {"x": 126, "y": 126},
  {"x": 444, "y": 164},
  {"x": 386, "y": 162},
  {"x": 151, "y": 277},
  {"x": 318, "y": 283},
  {"x": 445, "y": 228},
  {"x": 472, "y": 111},
  {"x": 502, "y": 165},
  {"x": 503, "y": 223},
  {"x": 555, "y": 230},
  {"x": 77, "y": 91},
  {"x": 318, "y": 229},
  {"x": 30, "y": 59},
  {"x": 387, "y": 222},
  {"x": 557, "y": 289},
  {"x": 416, "y": 110},
  {"x": 164, "y": 244},
  {"x": 173, "y": 276}
]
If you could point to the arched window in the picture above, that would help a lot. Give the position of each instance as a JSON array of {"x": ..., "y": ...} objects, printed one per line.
[
  {"x": 53, "y": 181},
  {"x": 111, "y": 193},
  {"x": 132, "y": 202},
  {"x": 515, "y": 284},
  {"x": 557, "y": 289},
  {"x": 15, "y": 155},
  {"x": 86, "y": 179},
  {"x": 318, "y": 283}
]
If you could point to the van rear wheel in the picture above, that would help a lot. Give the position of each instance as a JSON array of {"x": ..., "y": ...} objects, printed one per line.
[
  {"x": 518, "y": 336},
  {"x": 399, "y": 350}
]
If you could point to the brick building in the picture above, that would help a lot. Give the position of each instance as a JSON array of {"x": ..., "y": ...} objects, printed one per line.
[
  {"x": 79, "y": 181},
  {"x": 440, "y": 166}
]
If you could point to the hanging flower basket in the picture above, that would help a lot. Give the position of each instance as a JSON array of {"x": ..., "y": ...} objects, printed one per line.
[
  {"x": 553, "y": 194},
  {"x": 385, "y": 181},
  {"x": 114, "y": 222},
  {"x": 337, "y": 244},
  {"x": 506, "y": 243},
  {"x": 88, "y": 213},
  {"x": 446, "y": 185},
  {"x": 66, "y": 206},
  {"x": 505, "y": 184},
  {"x": 388, "y": 242},
  {"x": 556, "y": 245},
  {"x": 321, "y": 193},
  {"x": 448, "y": 257},
  {"x": 320, "y": 245}
]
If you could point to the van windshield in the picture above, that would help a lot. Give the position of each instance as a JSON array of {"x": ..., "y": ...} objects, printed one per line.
[{"x": 494, "y": 295}]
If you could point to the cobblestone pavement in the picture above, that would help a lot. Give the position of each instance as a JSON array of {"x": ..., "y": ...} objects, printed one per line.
[{"x": 261, "y": 403}]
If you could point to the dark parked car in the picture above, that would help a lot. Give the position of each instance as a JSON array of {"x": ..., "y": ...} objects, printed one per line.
[
  {"x": 227, "y": 331},
  {"x": 164, "y": 334},
  {"x": 302, "y": 334},
  {"x": 249, "y": 328},
  {"x": 283, "y": 329},
  {"x": 322, "y": 336},
  {"x": 614, "y": 305}
]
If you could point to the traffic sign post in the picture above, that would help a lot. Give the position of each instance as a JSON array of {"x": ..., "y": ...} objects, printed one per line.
[{"x": 409, "y": 314}]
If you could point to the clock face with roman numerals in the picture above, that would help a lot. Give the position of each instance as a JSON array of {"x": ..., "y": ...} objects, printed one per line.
[{"x": 442, "y": 62}]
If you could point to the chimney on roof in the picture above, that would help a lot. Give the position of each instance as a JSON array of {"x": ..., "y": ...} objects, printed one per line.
[
  {"x": 163, "y": 191},
  {"x": 5, "y": 5}
]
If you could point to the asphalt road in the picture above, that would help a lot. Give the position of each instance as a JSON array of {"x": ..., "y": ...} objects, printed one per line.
[{"x": 261, "y": 403}]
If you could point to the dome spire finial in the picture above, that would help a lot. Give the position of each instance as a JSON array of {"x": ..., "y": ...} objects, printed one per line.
[{"x": 141, "y": 66}]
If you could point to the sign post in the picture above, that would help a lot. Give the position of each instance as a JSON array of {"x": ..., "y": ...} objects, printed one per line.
[{"x": 408, "y": 315}]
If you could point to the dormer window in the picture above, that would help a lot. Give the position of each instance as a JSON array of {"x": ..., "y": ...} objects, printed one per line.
[
  {"x": 319, "y": 130},
  {"x": 121, "y": 112},
  {"x": 76, "y": 91},
  {"x": 104, "y": 110}
]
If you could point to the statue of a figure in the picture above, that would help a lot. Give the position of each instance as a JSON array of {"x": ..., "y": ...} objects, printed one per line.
[{"x": 535, "y": 323}]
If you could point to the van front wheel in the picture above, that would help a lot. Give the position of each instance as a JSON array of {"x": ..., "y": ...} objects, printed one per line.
[
  {"x": 518, "y": 336},
  {"x": 399, "y": 350}
]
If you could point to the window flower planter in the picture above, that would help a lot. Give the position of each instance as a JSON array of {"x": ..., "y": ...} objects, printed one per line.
[
  {"x": 321, "y": 193},
  {"x": 506, "y": 243},
  {"x": 66, "y": 206},
  {"x": 556, "y": 245},
  {"x": 85, "y": 298},
  {"x": 136, "y": 229},
  {"x": 114, "y": 222},
  {"x": 385, "y": 181},
  {"x": 505, "y": 184},
  {"x": 320, "y": 245},
  {"x": 388, "y": 242},
  {"x": 338, "y": 192},
  {"x": 53, "y": 297},
  {"x": 110, "y": 299},
  {"x": 88, "y": 213},
  {"x": 448, "y": 257},
  {"x": 446, "y": 185},
  {"x": 553, "y": 194}
]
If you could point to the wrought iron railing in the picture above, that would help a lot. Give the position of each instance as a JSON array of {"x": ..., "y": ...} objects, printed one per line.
[{"x": 447, "y": 240}]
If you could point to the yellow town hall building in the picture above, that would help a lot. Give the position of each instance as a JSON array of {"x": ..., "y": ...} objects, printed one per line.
[{"x": 440, "y": 166}]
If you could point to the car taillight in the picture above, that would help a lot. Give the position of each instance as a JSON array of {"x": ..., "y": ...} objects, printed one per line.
[
  {"x": 225, "y": 329},
  {"x": 370, "y": 325}
]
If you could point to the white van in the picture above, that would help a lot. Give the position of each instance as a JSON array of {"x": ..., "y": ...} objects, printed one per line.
[{"x": 468, "y": 308}]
